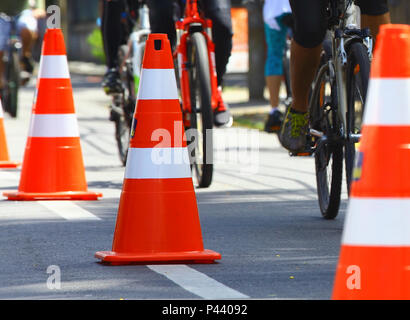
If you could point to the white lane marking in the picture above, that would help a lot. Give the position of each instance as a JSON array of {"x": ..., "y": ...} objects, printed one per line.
[
  {"x": 8, "y": 175},
  {"x": 197, "y": 282},
  {"x": 65, "y": 209},
  {"x": 68, "y": 210}
]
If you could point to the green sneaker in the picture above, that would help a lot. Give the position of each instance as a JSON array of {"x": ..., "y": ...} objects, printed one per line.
[{"x": 295, "y": 126}]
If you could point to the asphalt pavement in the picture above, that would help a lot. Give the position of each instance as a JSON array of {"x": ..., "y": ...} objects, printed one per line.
[{"x": 261, "y": 213}]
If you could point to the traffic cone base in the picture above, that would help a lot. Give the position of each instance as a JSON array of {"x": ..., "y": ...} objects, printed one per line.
[
  {"x": 69, "y": 195},
  {"x": 62, "y": 181},
  {"x": 159, "y": 229},
  {"x": 9, "y": 164},
  {"x": 4, "y": 153},
  {"x": 114, "y": 258}
]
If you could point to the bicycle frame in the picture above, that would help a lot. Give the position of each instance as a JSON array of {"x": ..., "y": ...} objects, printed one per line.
[
  {"x": 344, "y": 28},
  {"x": 193, "y": 21},
  {"x": 136, "y": 45}
]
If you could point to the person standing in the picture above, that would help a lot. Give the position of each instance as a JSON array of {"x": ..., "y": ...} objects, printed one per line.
[{"x": 275, "y": 15}]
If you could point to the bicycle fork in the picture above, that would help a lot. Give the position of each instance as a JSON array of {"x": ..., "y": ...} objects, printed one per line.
[{"x": 184, "y": 66}]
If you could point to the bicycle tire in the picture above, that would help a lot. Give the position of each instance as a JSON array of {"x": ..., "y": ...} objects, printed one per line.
[
  {"x": 328, "y": 155},
  {"x": 12, "y": 75},
  {"x": 201, "y": 116},
  {"x": 125, "y": 111},
  {"x": 357, "y": 80}
]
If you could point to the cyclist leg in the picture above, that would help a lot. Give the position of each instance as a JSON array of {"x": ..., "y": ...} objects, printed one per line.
[
  {"x": 219, "y": 11},
  {"x": 4, "y": 34},
  {"x": 309, "y": 32},
  {"x": 111, "y": 30},
  {"x": 275, "y": 41},
  {"x": 374, "y": 13},
  {"x": 161, "y": 18},
  {"x": 28, "y": 30}
]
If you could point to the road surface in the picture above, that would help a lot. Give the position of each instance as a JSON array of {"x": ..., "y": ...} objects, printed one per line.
[{"x": 261, "y": 214}]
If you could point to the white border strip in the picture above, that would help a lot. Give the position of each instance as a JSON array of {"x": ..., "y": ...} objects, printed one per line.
[
  {"x": 157, "y": 163},
  {"x": 377, "y": 222},
  {"x": 68, "y": 210},
  {"x": 197, "y": 282},
  {"x": 53, "y": 67},
  {"x": 388, "y": 102},
  {"x": 157, "y": 84},
  {"x": 53, "y": 125}
]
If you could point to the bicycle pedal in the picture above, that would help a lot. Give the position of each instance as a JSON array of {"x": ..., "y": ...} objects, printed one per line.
[
  {"x": 115, "y": 113},
  {"x": 306, "y": 153},
  {"x": 114, "y": 116},
  {"x": 273, "y": 129}
]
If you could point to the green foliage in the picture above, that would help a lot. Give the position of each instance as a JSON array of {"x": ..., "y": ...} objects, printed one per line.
[{"x": 96, "y": 43}]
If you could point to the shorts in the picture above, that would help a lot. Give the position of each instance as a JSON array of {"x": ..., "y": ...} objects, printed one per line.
[
  {"x": 310, "y": 23},
  {"x": 4, "y": 33},
  {"x": 275, "y": 42},
  {"x": 26, "y": 20}
]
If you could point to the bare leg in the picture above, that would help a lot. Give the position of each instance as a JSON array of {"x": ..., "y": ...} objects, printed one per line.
[
  {"x": 273, "y": 83},
  {"x": 27, "y": 41},
  {"x": 304, "y": 63},
  {"x": 1, "y": 69},
  {"x": 374, "y": 22}
]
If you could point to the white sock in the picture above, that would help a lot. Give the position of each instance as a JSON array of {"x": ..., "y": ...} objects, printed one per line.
[{"x": 273, "y": 109}]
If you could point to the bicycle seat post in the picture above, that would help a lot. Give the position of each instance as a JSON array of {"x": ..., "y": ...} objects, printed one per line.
[{"x": 144, "y": 17}]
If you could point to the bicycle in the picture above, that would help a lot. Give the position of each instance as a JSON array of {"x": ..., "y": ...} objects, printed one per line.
[
  {"x": 196, "y": 71},
  {"x": 130, "y": 57},
  {"x": 337, "y": 103},
  {"x": 11, "y": 61}
]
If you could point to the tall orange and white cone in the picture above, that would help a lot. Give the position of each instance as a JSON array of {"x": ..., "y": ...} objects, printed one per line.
[
  {"x": 374, "y": 261},
  {"x": 157, "y": 217},
  {"x": 4, "y": 151},
  {"x": 53, "y": 165}
]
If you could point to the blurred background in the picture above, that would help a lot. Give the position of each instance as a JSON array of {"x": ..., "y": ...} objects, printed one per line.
[{"x": 84, "y": 44}]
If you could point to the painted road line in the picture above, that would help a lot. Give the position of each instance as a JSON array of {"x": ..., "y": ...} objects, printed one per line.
[
  {"x": 68, "y": 210},
  {"x": 65, "y": 209},
  {"x": 197, "y": 282}
]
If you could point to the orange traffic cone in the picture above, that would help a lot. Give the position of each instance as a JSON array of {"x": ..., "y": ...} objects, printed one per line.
[
  {"x": 53, "y": 165},
  {"x": 4, "y": 152},
  {"x": 158, "y": 216},
  {"x": 374, "y": 261}
]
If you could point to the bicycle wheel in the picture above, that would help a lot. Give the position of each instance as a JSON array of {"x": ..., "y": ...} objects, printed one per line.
[
  {"x": 10, "y": 91},
  {"x": 357, "y": 79},
  {"x": 329, "y": 150},
  {"x": 201, "y": 113},
  {"x": 124, "y": 105}
]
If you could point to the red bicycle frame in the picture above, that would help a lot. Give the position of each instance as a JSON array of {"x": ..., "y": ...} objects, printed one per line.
[{"x": 193, "y": 17}]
